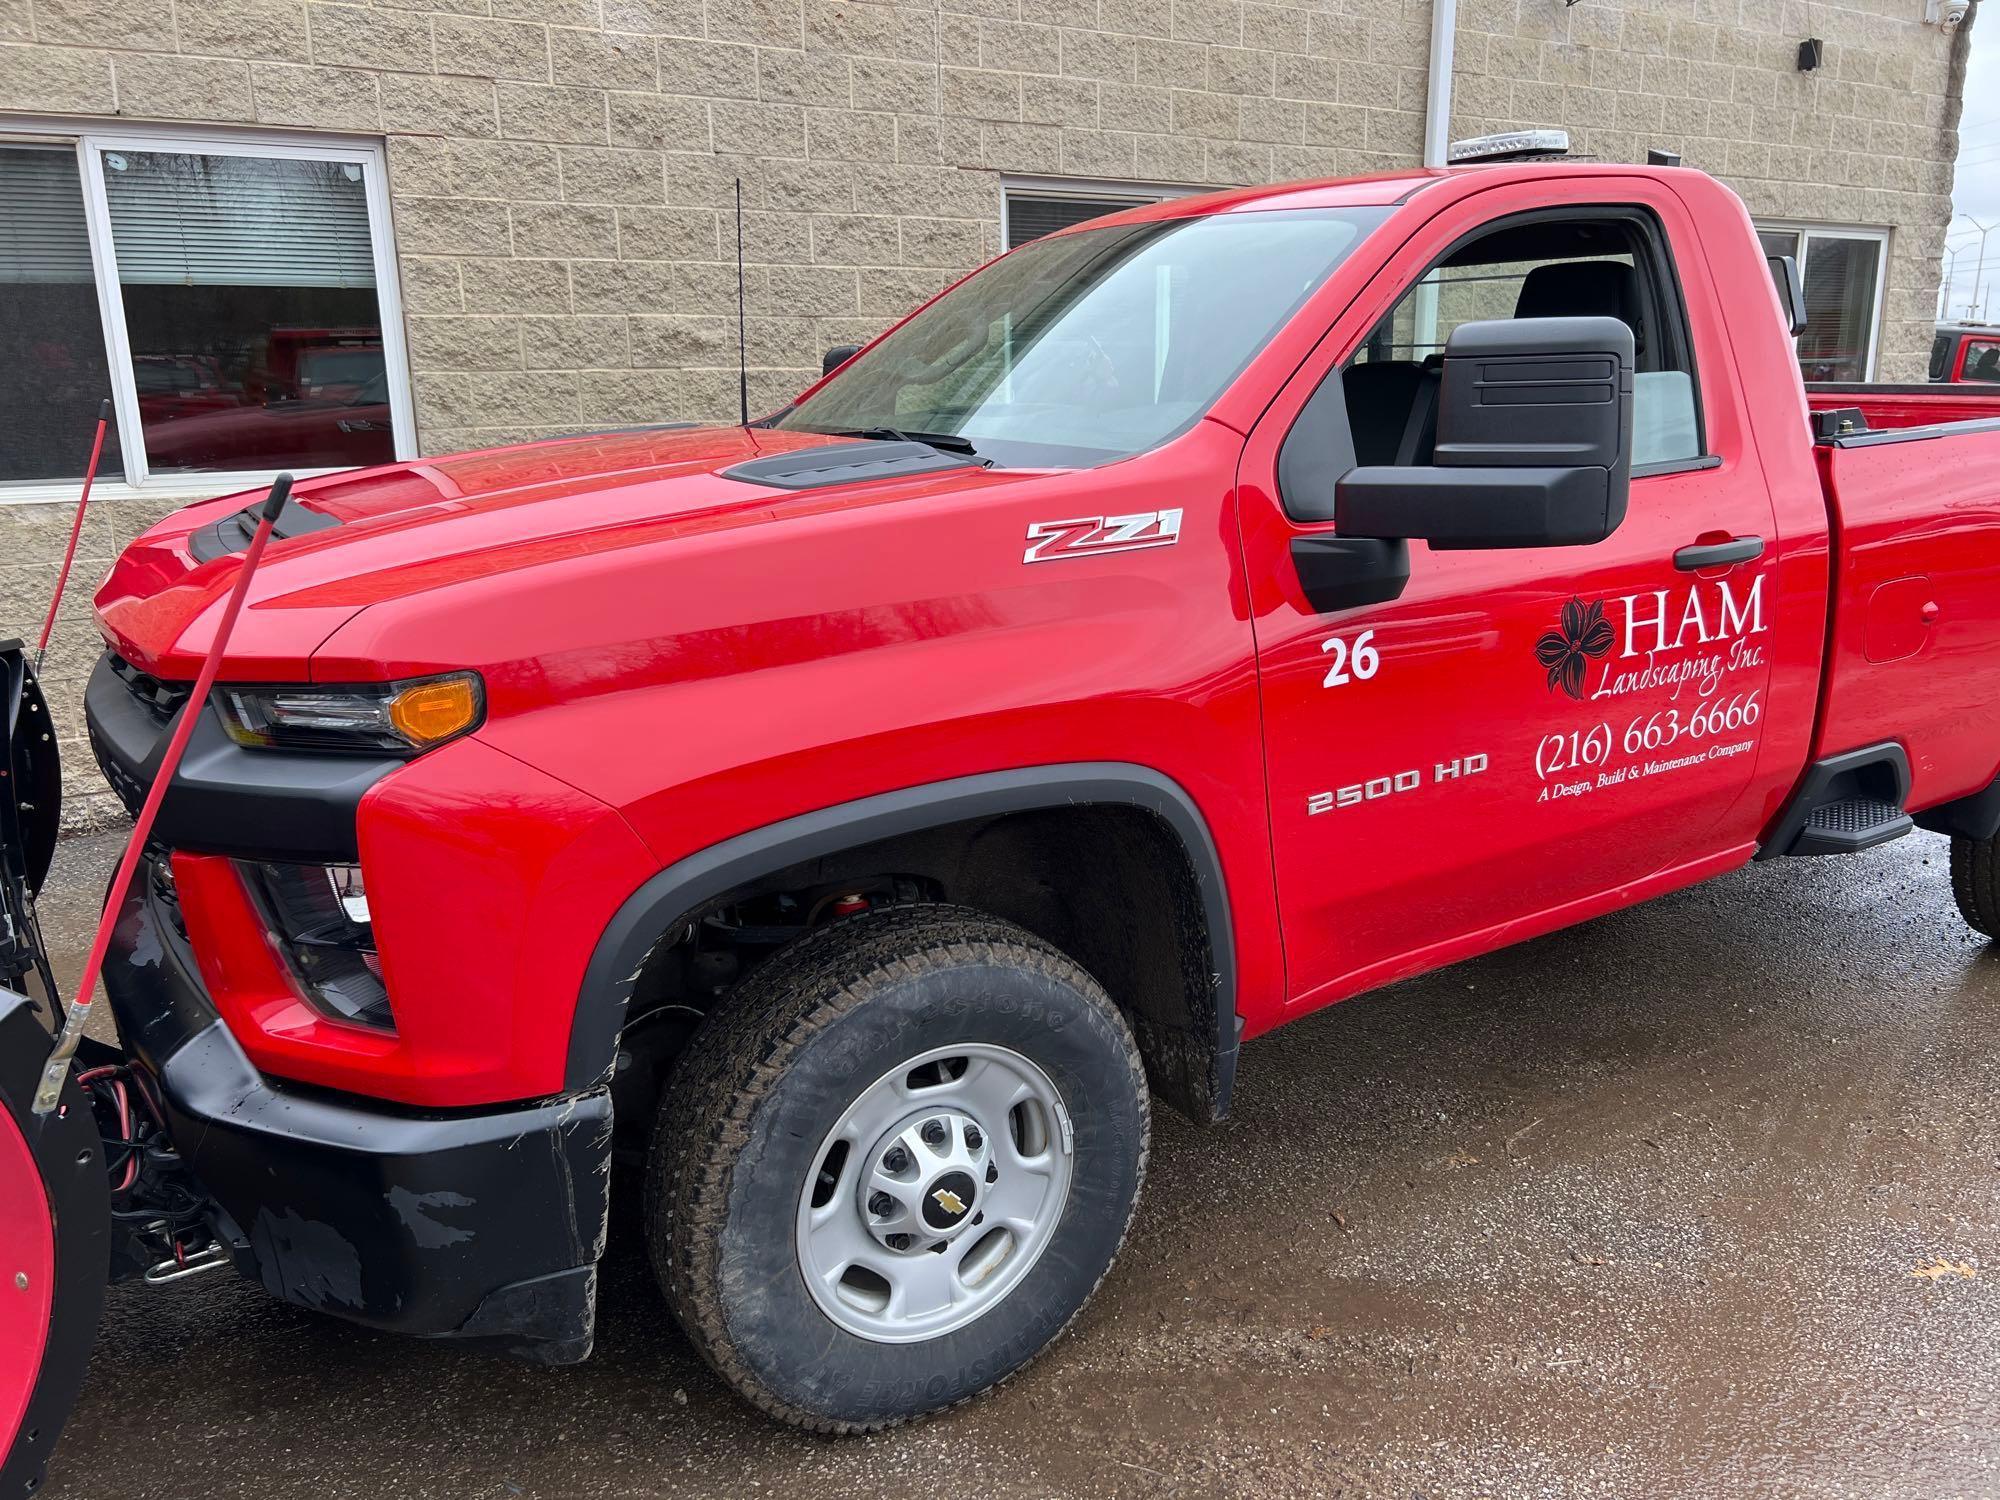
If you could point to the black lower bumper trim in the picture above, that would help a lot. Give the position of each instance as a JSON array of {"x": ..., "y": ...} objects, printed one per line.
[{"x": 477, "y": 1225}]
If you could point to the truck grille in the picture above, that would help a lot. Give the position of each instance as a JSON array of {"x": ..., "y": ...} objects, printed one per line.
[{"x": 160, "y": 699}]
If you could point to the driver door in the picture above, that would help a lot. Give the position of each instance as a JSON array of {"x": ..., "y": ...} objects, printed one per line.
[{"x": 1522, "y": 737}]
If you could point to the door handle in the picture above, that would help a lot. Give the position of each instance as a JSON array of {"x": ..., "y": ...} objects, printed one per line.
[{"x": 1738, "y": 549}]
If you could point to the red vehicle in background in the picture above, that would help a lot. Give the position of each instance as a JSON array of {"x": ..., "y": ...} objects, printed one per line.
[
  {"x": 172, "y": 386},
  {"x": 316, "y": 399},
  {"x": 321, "y": 363},
  {"x": 1967, "y": 351},
  {"x": 851, "y": 820},
  {"x": 336, "y": 426}
]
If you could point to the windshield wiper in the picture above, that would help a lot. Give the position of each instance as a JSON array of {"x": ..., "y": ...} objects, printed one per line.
[{"x": 944, "y": 442}]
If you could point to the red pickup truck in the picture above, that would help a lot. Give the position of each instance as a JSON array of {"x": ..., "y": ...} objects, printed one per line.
[
  {"x": 850, "y": 820},
  {"x": 1966, "y": 352}
]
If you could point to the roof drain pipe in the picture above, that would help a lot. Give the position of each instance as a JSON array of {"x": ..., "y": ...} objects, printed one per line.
[{"x": 1437, "y": 146}]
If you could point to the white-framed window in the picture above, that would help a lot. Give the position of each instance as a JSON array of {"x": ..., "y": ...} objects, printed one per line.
[
  {"x": 233, "y": 293},
  {"x": 1031, "y": 207},
  {"x": 1843, "y": 270}
]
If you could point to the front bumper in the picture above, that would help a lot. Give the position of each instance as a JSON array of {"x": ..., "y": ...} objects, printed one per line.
[{"x": 468, "y": 1224}]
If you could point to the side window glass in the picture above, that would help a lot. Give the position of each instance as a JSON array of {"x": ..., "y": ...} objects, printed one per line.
[
  {"x": 1560, "y": 268},
  {"x": 1982, "y": 361},
  {"x": 1941, "y": 348}
]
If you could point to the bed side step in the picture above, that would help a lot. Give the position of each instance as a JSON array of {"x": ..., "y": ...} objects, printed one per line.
[
  {"x": 1845, "y": 803},
  {"x": 1849, "y": 826}
]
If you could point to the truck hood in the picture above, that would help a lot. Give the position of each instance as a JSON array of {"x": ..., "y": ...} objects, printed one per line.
[{"x": 361, "y": 537}]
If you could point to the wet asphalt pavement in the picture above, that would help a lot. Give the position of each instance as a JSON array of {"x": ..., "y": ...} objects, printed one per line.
[{"x": 1697, "y": 1199}]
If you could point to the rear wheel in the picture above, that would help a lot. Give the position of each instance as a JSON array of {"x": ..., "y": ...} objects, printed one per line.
[
  {"x": 895, "y": 1166},
  {"x": 1975, "y": 883}
]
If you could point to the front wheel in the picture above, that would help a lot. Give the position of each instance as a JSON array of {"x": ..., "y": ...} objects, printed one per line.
[{"x": 895, "y": 1166}]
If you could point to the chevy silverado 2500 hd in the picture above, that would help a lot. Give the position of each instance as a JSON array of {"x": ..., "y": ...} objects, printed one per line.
[{"x": 853, "y": 818}]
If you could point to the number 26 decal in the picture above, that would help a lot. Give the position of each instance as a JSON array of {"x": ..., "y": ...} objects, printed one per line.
[{"x": 1356, "y": 664}]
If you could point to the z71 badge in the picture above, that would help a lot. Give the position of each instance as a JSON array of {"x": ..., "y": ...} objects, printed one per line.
[{"x": 1049, "y": 541}]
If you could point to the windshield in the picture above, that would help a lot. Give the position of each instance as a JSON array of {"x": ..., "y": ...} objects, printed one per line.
[{"x": 1088, "y": 347}]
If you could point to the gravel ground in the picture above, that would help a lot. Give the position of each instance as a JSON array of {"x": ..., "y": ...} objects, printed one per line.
[{"x": 1696, "y": 1199}]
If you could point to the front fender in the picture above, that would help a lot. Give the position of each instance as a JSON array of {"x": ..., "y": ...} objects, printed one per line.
[{"x": 658, "y": 906}]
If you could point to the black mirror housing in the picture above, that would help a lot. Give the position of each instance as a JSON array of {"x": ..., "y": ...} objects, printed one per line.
[
  {"x": 1534, "y": 442},
  {"x": 1459, "y": 510},
  {"x": 835, "y": 357}
]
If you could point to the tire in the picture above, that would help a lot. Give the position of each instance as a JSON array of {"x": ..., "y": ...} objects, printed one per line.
[
  {"x": 1975, "y": 883},
  {"x": 823, "y": 1030}
]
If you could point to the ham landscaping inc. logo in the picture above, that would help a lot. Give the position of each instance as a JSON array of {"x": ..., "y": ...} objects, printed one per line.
[
  {"x": 1649, "y": 626},
  {"x": 1583, "y": 635}
]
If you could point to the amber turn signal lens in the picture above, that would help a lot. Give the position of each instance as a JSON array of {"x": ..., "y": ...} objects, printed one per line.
[{"x": 427, "y": 712}]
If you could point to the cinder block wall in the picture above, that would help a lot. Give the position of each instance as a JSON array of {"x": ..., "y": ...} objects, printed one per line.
[
  {"x": 32, "y": 539},
  {"x": 562, "y": 172},
  {"x": 1868, "y": 139}
]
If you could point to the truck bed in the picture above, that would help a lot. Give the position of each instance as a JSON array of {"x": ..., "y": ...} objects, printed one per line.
[
  {"x": 1897, "y": 406},
  {"x": 1914, "y": 502}
]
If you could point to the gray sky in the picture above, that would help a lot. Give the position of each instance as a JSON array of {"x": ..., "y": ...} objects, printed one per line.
[{"x": 1977, "y": 189}]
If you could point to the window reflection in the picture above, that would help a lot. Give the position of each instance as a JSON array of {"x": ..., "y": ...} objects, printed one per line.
[
  {"x": 1840, "y": 278},
  {"x": 251, "y": 310}
]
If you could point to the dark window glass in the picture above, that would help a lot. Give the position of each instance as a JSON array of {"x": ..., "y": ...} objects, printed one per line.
[
  {"x": 251, "y": 310},
  {"x": 53, "y": 370},
  {"x": 1567, "y": 268},
  {"x": 1030, "y": 217},
  {"x": 1941, "y": 347},
  {"x": 1982, "y": 361},
  {"x": 1841, "y": 275}
]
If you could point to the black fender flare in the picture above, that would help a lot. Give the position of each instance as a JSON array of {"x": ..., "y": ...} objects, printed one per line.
[
  {"x": 1974, "y": 816},
  {"x": 691, "y": 882}
]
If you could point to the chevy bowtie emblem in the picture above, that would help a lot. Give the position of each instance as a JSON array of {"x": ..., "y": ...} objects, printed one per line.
[{"x": 949, "y": 1201}]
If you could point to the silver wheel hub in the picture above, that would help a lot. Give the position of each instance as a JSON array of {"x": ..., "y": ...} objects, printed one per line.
[
  {"x": 935, "y": 1193},
  {"x": 922, "y": 1181}
]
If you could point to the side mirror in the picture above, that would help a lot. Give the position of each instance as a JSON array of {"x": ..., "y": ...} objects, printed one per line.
[
  {"x": 835, "y": 357},
  {"x": 1534, "y": 443}
]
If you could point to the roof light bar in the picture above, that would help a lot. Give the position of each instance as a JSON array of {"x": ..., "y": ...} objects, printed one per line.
[{"x": 1510, "y": 145}]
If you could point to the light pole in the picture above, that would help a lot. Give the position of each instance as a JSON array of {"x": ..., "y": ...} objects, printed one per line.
[
  {"x": 1979, "y": 270},
  {"x": 1950, "y": 282}
]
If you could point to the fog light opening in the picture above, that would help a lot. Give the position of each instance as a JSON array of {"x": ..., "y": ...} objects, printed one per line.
[{"x": 319, "y": 916}]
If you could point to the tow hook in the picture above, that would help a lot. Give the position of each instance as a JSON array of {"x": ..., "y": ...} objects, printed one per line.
[{"x": 209, "y": 1258}]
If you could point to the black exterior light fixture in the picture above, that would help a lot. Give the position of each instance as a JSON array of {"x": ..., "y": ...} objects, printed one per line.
[{"x": 1812, "y": 52}]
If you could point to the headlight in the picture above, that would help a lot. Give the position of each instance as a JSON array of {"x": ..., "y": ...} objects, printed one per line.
[
  {"x": 411, "y": 715},
  {"x": 319, "y": 916}
]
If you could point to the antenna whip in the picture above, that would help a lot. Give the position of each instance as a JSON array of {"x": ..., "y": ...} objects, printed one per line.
[{"x": 742, "y": 332}]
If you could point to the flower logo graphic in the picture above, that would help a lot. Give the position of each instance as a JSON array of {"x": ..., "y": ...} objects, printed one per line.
[{"x": 1566, "y": 650}]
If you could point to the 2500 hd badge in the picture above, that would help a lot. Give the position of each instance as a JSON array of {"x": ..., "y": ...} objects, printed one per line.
[{"x": 1377, "y": 787}]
